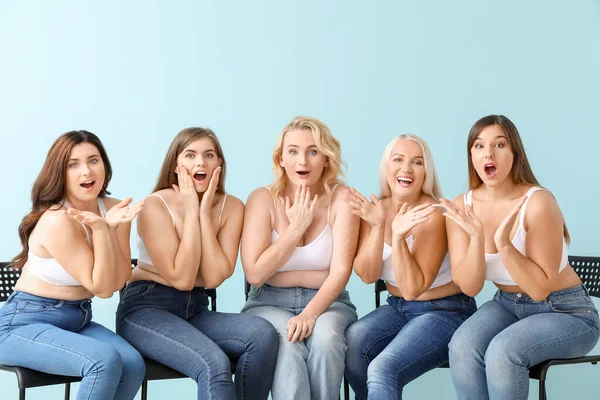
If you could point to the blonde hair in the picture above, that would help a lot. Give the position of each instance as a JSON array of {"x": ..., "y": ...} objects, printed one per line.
[
  {"x": 431, "y": 185},
  {"x": 328, "y": 145}
]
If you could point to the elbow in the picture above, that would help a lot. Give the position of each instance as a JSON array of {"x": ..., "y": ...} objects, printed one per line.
[
  {"x": 539, "y": 294},
  {"x": 471, "y": 289},
  {"x": 255, "y": 280},
  {"x": 410, "y": 295},
  {"x": 213, "y": 282},
  {"x": 183, "y": 285},
  {"x": 104, "y": 294}
]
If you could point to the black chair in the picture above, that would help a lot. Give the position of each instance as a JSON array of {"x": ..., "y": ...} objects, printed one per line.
[
  {"x": 588, "y": 269},
  {"x": 247, "y": 287},
  {"x": 28, "y": 378}
]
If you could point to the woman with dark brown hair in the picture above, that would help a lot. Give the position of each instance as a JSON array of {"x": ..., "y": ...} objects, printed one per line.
[
  {"x": 509, "y": 230},
  {"x": 189, "y": 233},
  {"x": 75, "y": 246}
]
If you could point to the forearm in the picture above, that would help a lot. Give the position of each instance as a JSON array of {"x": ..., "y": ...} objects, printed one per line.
[
  {"x": 469, "y": 274},
  {"x": 122, "y": 260},
  {"x": 368, "y": 261},
  {"x": 326, "y": 295},
  {"x": 408, "y": 273},
  {"x": 215, "y": 267},
  {"x": 273, "y": 258},
  {"x": 527, "y": 274},
  {"x": 189, "y": 253},
  {"x": 105, "y": 265}
]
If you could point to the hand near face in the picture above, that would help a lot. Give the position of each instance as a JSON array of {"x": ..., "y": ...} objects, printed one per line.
[
  {"x": 88, "y": 218},
  {"x": 300, "y": 327},
  {"x": 466, "y": 220},
  {"x": 123, "y": 213},
  {"x": 405, "y": 219},
  {"x": 502, "y": 235},
  {"x": 186, "y": 191},
  {"x": 209, "y": 195},
  {"x": 300, "y": 214},
  {"x": 371, "y": 212}
]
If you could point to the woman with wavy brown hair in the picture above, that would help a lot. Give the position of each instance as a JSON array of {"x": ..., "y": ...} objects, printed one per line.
[
  {"x": 189, "y": 234},
  {"x": 75, "y": 246},
  {"x": 298, "y": 245},
  {"x": 509, "y": 230}
]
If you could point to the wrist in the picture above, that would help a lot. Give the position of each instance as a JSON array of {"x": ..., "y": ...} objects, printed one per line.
[{"x": 100, "y": 226}]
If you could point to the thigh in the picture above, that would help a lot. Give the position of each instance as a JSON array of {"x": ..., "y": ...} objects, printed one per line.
[
  {"x": 49, "y": 349},
  {"x": 233, "y": 333},
  {"x": 332, "y": 324},
  {"x": 275, "y": 315},
  {"x": 544, "y": 336},
  {"x": 373, "y": 332},
  {"x": 128, "y": 353},
  {"x": 479, "y": 329}
]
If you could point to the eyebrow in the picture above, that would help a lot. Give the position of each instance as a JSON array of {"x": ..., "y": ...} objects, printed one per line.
[
  {"x": 402, "y": 155},
  {"x": 194, "y": 151},
  {"x": 77, "y": 159},
  {"x": 295, "y": 145},
  {"x": 497, "y": 137}
]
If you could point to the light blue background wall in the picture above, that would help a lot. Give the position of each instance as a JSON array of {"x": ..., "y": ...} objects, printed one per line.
[{"x": 137, "y": 72}]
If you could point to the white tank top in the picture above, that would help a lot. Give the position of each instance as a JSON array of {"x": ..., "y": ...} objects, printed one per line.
[
  {"x": 48, "y": 269},
  {"x": 387, "y": 274},
  {"x": 143, "y": 255},
  {"x": 495, "y": 270}
]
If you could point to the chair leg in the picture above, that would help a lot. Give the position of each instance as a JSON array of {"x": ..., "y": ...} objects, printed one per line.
[
  {"x": 21, "y": 394},
  {"x": 346, "y": 389},
  {"x": 543, "y": 389},
  {"x": 67, "y": 391},
  {"x": 145, "y": 390}
]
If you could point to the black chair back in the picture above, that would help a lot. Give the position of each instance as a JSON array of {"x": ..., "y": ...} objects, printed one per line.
[
  {"x": 8, "y": 279},
  {"x": 588, "y": 269}
]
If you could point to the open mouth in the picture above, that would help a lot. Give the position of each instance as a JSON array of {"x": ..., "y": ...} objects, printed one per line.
[
  {"x": 87, "y": 184},
  {"x": 303, "y": 174},
  {"x": 200, "y": 176},
  {"x": 404, "y": 181},
  {"x": 490, "y": 170}
]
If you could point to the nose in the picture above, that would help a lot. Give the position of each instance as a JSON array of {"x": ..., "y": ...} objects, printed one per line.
[
  {"x": 200, "y": 162},
  {"x": 302, "y": 159},
  {"x": 86, "y": 170},
  {"x": 489, "y": 152},
  {"x": 407, "y": 166}
]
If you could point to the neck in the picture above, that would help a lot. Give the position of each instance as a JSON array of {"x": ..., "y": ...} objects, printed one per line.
[
  {"x": 506, "y": 190},
  {"x": 412, "y": 199},
  {"x": 91, "y": 206},
  {"x": 290, "y": 190}
]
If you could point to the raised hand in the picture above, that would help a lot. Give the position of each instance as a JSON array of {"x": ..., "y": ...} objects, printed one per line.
[
  {"x": 300, "y": 327},
  {"x": 187, "y": 191},
  {"x": 405, "y": 220},
  {"x": 300, "y": 214},
  {"x": 88, "y": 218},
  {"x": 502, "y": 235},
  {"x": 209, "y": 195},
  {"x": 370, "y": 211},
  {"x": 467, "y": 220},
  {"x": 123, "y": 213}
]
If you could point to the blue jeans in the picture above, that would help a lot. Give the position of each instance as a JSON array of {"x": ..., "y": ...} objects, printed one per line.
[
  {"x": 397, "y": 343},
  {"x": 491, "y": 353},
  {"x": 58, "y": 337},
  {"x": 313, "y": 368},
  {"x": 176, "y": 329}
]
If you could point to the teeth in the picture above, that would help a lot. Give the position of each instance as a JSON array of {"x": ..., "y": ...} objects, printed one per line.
[{"x": 401, "y": 179}]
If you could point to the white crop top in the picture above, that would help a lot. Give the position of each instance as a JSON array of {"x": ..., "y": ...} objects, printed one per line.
[
  {"x": 494, "y": 267},
  {"x": 316, "y": 255},
  {"x": 143, "y": 255},
  {"x": 387, "y": 274},
  {"x": 48, "y": 269}
]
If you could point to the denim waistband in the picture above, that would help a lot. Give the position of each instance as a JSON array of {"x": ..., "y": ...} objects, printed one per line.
[
  {"x": 24, "y": 296},
  {"x": 575, "y": 291},
  {"x": 197, "y": 289}
]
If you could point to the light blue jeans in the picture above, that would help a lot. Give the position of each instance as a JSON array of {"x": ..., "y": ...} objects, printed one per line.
[
  {"x": 313, "y": 368},
  {"x": 58, "y": 337},
  {"x": 491, "y": 353},
  {"x": 397, "y": 343}
]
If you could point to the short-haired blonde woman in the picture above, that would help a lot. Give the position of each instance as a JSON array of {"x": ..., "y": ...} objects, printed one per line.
[
  {"x": 298, "y": 244},
  {"x": 189, "y": 234},
  {"x": 403, "y": 241},
  {"x": 509, "y": 230}
]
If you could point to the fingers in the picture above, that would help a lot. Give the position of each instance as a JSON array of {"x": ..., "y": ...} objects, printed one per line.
[
  {"x": 298, "y": 193},
  {"x": 307, "y": 197},
  {"x": 313, "y": 204},
  {"x": 421, "y": 207},
  {"x": 287, "y": 204},
  {"x": 124, "y": 203},
  {"x": 176, "y": 188},
  {"x": 214, "y": 179},
  {"x": 375, "y": 200},
  {"x": 403, "y": 208}
]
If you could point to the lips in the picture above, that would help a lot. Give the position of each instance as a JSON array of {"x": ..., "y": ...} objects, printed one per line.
[
  {"x": 303, "y": 174},
  {"x": 200, "y": 176},
  {"x": 87, "y": 185},
  {"x": 404, "y": 181},
  {"x": 490, "y": 170}
]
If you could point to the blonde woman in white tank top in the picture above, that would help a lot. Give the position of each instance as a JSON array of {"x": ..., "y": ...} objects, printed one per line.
[
  {"x": 541, "y": 310},
  {"x": 189, "y": 234},
  {"x": 298, "y": 244},
  {"x": 403, "y": 241},
  {"x": 75, "y": 246}
]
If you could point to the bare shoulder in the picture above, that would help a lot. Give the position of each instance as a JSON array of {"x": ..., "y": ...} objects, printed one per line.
[
  {"x": 260, "y": 196},
  {"x": 56, "y": 220},
  {"x": 542, "y": 203},
  {"x": 339, "y": 196},
  {"x": 110, "y": 202},
  {"x": 459, "y": 201},
  {"x": 233, "y": 205}
]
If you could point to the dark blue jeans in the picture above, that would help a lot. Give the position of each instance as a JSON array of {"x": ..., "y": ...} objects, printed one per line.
[
  {"x": 176, "y": 329},
  {"x": 58, "y": 337},
  {"x": 397, "y": 343}
]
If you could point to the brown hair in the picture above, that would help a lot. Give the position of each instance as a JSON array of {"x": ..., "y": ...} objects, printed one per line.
[
  {"x": 328, "y": 145},
  {"x": 49, "y": 187},
  {"x": 167, "y": 176},
  {"x": 521, "y": 172}
]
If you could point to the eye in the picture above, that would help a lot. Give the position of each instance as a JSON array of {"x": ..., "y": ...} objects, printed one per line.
[
  {"x": 94, "y": 161},
  {"x": 312, "y": 152},
  {"x": 500, "y": 145},
  {"x": 293, "y": 152},
  {"x": 478, "y": 146},
  {"x": 210, "y": 155},
  {"x": 419, "y": 162},
  {"x": 397, "y": 159},
  {"x": 73, "y": 165},
  {"x": 189, "y": 155}
]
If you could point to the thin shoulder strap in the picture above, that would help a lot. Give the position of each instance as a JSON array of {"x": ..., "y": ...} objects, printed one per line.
[
  {"x": 468, "y": 196},
  {"x": 87, "y": 235},
  {"x": 101, "y": 207},
  {"x": 329, "y": 207},
  {"x": 166, "y": 205},
  {"x": 275, "y": 205},
  {"x": 528, "y": 194},
  {"x": 221, "y": 213}
]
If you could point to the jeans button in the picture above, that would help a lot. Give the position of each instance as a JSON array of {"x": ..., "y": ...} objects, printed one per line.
[{"x": 519, "y": 295}]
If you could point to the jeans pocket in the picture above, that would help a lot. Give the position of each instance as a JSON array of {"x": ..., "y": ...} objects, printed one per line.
[
  {"x": 572, "y": 305},
  {"x": 36, "y": 306},
  {"x": 136, "y": 290}
]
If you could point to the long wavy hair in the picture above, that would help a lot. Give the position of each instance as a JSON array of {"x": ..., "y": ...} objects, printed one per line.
[
  {"x": 328, "y": 145},
  {"x": 167, "y": 176},
  {"x": 49, "y": 187},
  {"x": 521, "y": 172}
]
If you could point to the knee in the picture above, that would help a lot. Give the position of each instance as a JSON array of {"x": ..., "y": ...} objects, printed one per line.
[
  {"x": 134, "y": 367},
  {"x": 107, "y": 360},
  {"x": 355, "y": 337},
  {"x": 212, "y": 365},
  {"x": 462, "y": 346},
  {"x": 502, "y": 354},
  {"x": 263, "y": 334},
  {"x": 327, "y": 343}
]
